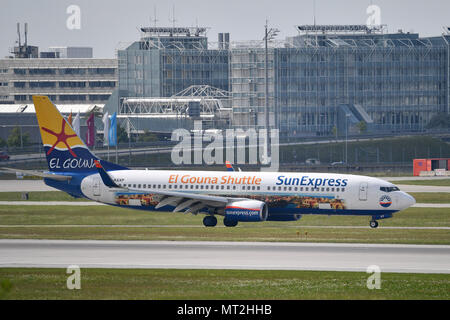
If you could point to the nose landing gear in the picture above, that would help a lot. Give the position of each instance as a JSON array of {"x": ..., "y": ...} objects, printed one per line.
[{"x": 373, "y": 224}]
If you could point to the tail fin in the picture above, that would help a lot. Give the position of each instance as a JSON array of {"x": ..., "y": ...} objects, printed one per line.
[{"x": 65, "y": 151}]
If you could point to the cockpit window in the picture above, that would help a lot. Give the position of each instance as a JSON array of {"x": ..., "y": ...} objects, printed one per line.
[{"x": 389, "y": 189}]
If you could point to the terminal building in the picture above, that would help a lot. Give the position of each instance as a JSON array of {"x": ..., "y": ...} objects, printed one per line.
[
  {"x": 333, "y": 76},
  {"x": 65, "y": 81},
  {"x": 171, "y": 77},
  {"x": 81, "y": 84},
  {"x": 322, "y": 82}
]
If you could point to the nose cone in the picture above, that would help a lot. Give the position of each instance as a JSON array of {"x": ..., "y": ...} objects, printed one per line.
[{"x": 406, "y": 201}]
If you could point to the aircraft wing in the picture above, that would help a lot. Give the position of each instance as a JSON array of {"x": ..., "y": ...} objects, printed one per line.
[
  {"x": 53, "y": 176},
  {"x": 190, "y": 202}
]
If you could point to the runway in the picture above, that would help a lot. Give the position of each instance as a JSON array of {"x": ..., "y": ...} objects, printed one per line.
[{"x": 225, "y": 255}]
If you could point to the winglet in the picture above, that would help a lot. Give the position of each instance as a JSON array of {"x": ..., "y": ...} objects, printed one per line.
[
  {"x": 105, "y": 176},
  {"x": 229, "y": 166}
]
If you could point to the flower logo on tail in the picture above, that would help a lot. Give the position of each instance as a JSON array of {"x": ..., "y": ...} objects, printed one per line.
[{"x": 61, "y": 137}]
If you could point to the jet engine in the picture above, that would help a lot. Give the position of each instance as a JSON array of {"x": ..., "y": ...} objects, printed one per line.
[{"x": 246, "y": 210}]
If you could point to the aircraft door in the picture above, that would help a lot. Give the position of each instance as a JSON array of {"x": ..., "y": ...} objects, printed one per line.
[
  {"x": 363, "y": 186},
  {"x": 96, "y": 187}
]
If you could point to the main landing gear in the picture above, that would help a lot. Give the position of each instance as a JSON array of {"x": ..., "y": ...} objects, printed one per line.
[
  {"x": 230, "y": 222},
  {"x": 373, "y": 224},
  {"x": 210, "y": 221}
]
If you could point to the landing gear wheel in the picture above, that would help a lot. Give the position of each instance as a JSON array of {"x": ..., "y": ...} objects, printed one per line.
[
  {"x": 373, "y": 224},
  {"x": 230, "y": 222},
  {"x": 209, "y": 221}
]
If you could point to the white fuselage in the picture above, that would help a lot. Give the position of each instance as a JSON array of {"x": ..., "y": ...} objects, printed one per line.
[{"x": 316, "y": 193}]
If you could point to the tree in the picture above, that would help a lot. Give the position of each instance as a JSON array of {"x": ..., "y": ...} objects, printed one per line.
[
  {"x": 148, "y": 137},
  {"x": 122, "y": 135},
  {"x": 334, "y": 131},
  {"x": 2, "y": 143},
  {"x": 362, "y": 126},
  {"x": 17, "y": 138}
]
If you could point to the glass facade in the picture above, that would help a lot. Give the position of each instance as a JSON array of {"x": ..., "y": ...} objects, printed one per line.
[
  {"x": 398, "y": 80},
  {"x": 161, "y": 65},
  {"x": 394, "y": 82}
]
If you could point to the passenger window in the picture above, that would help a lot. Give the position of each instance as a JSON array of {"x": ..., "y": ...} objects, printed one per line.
[
  {"x": 175, "y": 186},
  {"x": 196, "y": 186},
  {"x": 228, "y": 187},
  {"x": 159, "y": 186},
  {"x": 134, "y": 186},
  {"x": 234, "y": 187},
  {"x": 279, "y": 188},
  {"x": 164, "y": 186}
]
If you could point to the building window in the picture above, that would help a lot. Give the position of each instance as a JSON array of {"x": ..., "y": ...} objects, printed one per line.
[
  {"x": 41, "y": 71},
  {"x": 102, "y": 71}
]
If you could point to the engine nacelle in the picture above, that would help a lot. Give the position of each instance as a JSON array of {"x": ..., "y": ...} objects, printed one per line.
[
  {"x": 247, "y": 210},
  {"x": 284, "y": 217}
]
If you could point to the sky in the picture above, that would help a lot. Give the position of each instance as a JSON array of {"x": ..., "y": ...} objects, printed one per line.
[{"x": 107, "y": 25}]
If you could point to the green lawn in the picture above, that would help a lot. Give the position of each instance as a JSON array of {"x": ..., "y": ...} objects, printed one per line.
[
  {"x": 34, "y": 283},
  {"x": 39, "y": 196},
  {"x": 108, "y": 215},
  {"x": 436, "y": 182},
  {"x": 240, "y": 233},
  {"x": 141, "y": 225},
  {"x": 431, "y": 197}
]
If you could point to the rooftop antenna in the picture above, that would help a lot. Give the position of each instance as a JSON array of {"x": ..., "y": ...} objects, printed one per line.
[
  {"x": 154, "y": 16},
  {"x": 173, "y": 16},
  {"x": 314, "y": 12},
  {"x": 26, "y": 33},
  {"x": 18, "y": 32}
]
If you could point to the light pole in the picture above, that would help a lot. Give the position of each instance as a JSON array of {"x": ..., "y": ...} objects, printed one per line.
[
  {"x": 347, "y": 115},
  {"x": 269, "y": 34}
]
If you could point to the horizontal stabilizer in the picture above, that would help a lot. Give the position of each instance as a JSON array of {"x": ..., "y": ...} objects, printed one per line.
[{"x": 53, "y": 176}]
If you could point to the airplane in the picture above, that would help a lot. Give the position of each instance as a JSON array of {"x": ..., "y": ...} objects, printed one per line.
[{"x": 234, "y": 195}]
